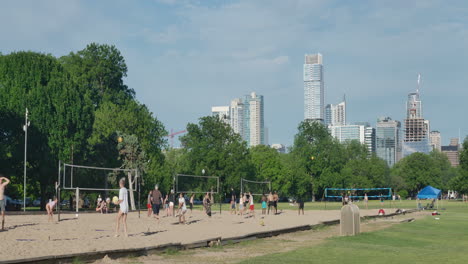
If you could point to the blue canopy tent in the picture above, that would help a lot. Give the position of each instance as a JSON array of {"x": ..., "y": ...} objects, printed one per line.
[{"x": 429, "y": 192}]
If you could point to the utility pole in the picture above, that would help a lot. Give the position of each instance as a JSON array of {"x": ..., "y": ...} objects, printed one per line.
[{"x": 25, "y": 128}]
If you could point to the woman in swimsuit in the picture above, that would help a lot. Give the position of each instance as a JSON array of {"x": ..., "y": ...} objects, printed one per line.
[{"x": 50, "y": 209}]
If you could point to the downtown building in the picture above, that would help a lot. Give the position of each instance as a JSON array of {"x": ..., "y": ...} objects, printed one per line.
[
  {"x": 360, "y": 131},
  {"x": 388, "y": 140},
  {"x": 246, "y": 118},
  {"x": 435, "y": 140},
  {"x": 416, "y": 133},
  {"x": 453, "y": 152},
  {"x": 335, "y": 114},
  {"x": 313, "y": 88}
]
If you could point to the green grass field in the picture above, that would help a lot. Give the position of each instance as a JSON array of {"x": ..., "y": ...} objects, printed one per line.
[{"x": 424, "y": 241}]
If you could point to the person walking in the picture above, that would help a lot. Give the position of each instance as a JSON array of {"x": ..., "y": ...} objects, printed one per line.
[{"x": 156, "y": 201}]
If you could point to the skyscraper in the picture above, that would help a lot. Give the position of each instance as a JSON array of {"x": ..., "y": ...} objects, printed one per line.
[
  {"x": 388, "y": 140},
  {"x": 254, "y": 128},
  {"x": 416, "y": 128},
  {"x": 222, "y": 112},
  {"x": 236, "y": 112},
  {"x": 335, "y": 115},
  {"x": 435, "y": 140},
  {"x": 313, "y": 88}
]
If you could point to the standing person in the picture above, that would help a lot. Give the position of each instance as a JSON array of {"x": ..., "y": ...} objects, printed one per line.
[
  {"x": 264, "y": 204},
  {"x": 182, "y": 209},
  {"x": 252, "y": 205},
  {"x": 50, "y": 209},
  {"x": 192, "y": 197},
  {"x": 3, "y": 183},
  {"x": 366, "y": 199},
  {"x": 246, "y": 202},
  {"x": 99, "y": 200},
  {"x": 241, "y": 204},
  {"x": 156, "y": 201},
  {"x": 300, "y": 201},
  {"x": 171, "y": 203},
  {"x": 166, "y": 204},
  {"x": 148, "y": 205},
  {"x": 123, "y": 211},
  {"x": 381, "y": 200},
  {"x": 275, "y": 202},
  {"x": 270, "y": 201},
  {"x": 233, "y": 201},
  {"x": 208, "y": 204}
]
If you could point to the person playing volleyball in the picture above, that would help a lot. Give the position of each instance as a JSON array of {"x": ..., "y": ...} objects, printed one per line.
[
  {"x": 123, "y": 211},
  {"x": 50, "y": 209}
]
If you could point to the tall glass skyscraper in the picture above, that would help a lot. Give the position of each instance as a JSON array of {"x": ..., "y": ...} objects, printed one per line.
[
  {"x": 313, "y": 88},
  {"x": 388, "y": 140}
]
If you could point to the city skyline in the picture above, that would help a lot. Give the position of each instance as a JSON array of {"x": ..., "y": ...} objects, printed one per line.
[{"x": 226, "y": 48}]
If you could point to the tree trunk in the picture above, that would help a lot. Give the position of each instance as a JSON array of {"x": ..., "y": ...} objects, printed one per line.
[{"x": 130, "y": 187}]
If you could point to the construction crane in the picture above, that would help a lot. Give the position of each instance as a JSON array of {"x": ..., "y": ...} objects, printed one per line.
[{"x": 173, "y": 134}]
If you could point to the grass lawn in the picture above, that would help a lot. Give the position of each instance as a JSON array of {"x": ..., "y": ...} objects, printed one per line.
[{"x": 423, "y": 241}]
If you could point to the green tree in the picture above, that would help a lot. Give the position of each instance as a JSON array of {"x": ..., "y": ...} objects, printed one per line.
[
  {"x": 213, "y": 146},
  {"x": 267, "y": 164}
]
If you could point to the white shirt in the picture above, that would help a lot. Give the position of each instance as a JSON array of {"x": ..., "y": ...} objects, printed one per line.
[
  {"x": 123, "y": 196},
  {"x": 251, "y": 200},
  {"x": 182, "y": 201}
]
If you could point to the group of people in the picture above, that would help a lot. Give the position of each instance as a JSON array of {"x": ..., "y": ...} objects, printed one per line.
[
  {"x": 156, "y": 202},
  {"x": 103, "y": 205},
  {"x": 246, "y": 202}
]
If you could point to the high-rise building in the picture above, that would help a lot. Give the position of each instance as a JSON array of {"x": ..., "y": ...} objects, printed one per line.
[
  {"x": 416, "y": 137},
  {"x": 236, "y": 113},
  {"x": 254, "y": 129},
  {"x": 222, "y": 112},
  {"x": 346, "y": 133},
  {"x": 313, "y": 88},
  {"x": 435, "y": 140},
  {"x": 388, "y": 140},
  {"x": 453, "y": 152},
  {"x": 335, "y": 115}
]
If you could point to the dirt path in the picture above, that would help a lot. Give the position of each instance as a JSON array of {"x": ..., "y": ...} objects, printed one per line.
[{"x": 282, "y": 243}]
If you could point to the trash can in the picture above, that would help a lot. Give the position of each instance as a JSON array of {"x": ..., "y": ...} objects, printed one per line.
[{"x": 350, "y": 221}]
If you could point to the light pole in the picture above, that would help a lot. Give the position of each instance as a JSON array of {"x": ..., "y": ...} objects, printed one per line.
[
  {"x": 312, "y": 180},
  {"x": 25, "y": 128}
]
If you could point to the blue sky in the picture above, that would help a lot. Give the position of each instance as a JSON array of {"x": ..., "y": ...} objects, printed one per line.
[{"x": 186, "y": 56}]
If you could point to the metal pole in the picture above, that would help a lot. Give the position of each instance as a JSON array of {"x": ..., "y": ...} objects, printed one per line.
[
  {"x": 25, "y": 128},
  {"x": 58, "y": 192},
  {"x": 139, "y": 192}
]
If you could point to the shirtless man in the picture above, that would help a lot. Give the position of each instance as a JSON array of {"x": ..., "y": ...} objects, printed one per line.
[
  {"x": 275, "y": 202},
  {"x": 270, "y": 201},
  {"x": 3, "y": 183}
]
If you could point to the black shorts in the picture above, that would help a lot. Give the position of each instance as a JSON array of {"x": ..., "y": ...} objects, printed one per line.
[
  {"x": 156, "y": 208},
  {"x": 275, "y": 204},
  {"x": 301, "y": 205},
  {"x": 270, "y": 204},
  {"x": 191, "y": 206}
]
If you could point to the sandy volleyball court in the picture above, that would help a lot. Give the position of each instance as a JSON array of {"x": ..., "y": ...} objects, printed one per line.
[{"x": 32, "y": 236}]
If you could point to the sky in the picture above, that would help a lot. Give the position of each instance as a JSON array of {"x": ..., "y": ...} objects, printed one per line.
[{"x": 185, "y": 56}]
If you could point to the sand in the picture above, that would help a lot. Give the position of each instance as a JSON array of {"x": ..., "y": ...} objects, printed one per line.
[{"x": 29, "y": 236}]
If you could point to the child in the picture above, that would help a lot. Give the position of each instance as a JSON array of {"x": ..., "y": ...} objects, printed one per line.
[
  {"x": 300, "y": 201},
  {"x": 264, "y": 204},
  {"x": 50, "y": 209},
  {"x": 191, "y": 202},
  {"x": 148, "y": 205},
  {"x": 241, "y": 204}
]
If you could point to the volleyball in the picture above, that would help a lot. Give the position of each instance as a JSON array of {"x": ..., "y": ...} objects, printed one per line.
[
  {"x": 115, "y": 200},
  {"x": 120, "y": 139}
]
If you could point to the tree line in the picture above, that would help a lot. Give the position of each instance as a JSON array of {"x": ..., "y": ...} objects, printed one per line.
[{"x": 80, "y": 106}]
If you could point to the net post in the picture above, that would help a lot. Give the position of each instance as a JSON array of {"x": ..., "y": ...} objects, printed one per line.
[
  {"x": 77, "y": 198},
  {"x": 58, "y": 192},
  {"x": 139, "y": 191}
]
